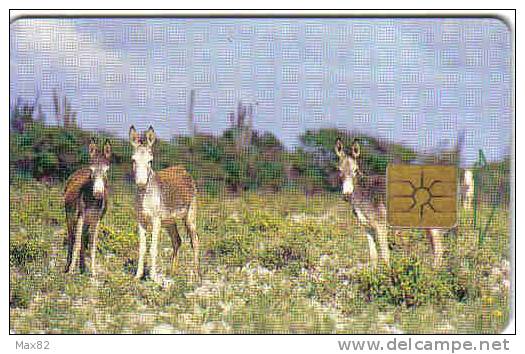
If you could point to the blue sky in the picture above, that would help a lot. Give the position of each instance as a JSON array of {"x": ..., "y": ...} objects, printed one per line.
[{"x": 414, "y": 81}]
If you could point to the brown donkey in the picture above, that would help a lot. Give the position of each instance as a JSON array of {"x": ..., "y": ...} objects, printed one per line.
[
  {"x": 367, "y": 195},
  {"x": 162, "y": 198},
  {"x": 85, "y": 199}
]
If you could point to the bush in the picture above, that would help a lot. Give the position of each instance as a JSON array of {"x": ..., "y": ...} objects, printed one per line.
[
  {"x": 285, "y": 256},
  {"x": 293, "y": 253},
  {"x": 261, "y": 221},
  {"x": 212, "y": 152},
  {"x": 19, "y": 295},
  {"x": 213, "y": 188},
  {"x": 269, "y": 173},
  {"x": 113, "y": 242},
  {"x": 24, "y": 251},
  {"x": 232, "y": 250},
  {"x": 46, "y": 163},
  {"x": 407, "y": 282},
  {"x": 53, "y": 153}
]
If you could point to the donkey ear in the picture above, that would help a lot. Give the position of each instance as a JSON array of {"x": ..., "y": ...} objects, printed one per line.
[
  {"x": 93, "y": 149},
  {"x": 339, "y": 149},
  {"x": 151, "y": 136},
  {"x": 356, "y": 149},
  {"x": 107, "y": 150},
  {"x": 134, "y": 138}
]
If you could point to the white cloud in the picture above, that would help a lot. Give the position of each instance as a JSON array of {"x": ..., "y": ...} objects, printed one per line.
[
  {"x": 50, "y": 54},
  {"x": 59, "y": 43}
]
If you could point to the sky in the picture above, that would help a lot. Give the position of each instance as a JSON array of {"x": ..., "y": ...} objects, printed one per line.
[{"x": 414, "y": 81}]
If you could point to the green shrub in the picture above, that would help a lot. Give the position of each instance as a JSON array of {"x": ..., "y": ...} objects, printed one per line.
[
  {"x": 20, "y": 295},
  {"x": 294, "y": 259},
  {"x": 53, "y": 153},
  {"x": 292, "y": 253},
  {"x": 269, "y": 173},
  {"x": 213, "y": 188},
  {"x": 407, "y": 282},
  {"x": 113, "y": 242},
  {"x": 231, "y": 250},
  {"x": 212, "y": 152},
  {"x": 46, "y": 162},
  {"x": 236, "y": 172},
  {"x": 261, "y": 221},
  {"x": 24, "y": 251}
]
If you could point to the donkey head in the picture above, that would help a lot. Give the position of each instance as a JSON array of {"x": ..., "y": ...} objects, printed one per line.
[
  {"x": 347, "y": 166},
  {"x": 99, "y": 164},
  {"x": 142, "y": 155}
]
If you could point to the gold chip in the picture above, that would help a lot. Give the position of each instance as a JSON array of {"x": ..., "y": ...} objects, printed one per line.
[{"x": 421, "y": 196}]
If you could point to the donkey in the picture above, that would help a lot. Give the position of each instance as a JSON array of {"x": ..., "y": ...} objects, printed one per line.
[
  {"x": 162, "y": 198},
  {"x": 367, "y": 195},
  {"x": 85, "y": 201}
]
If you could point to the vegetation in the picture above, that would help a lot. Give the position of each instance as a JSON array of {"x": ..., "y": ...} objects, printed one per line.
[
  {"x": 230, "y": 162},
  {"x": 268, "y": 266},
  {"x": 289, "y": 261}
]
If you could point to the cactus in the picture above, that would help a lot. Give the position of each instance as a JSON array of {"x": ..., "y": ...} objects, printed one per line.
[{"x": 63, "y": 111}]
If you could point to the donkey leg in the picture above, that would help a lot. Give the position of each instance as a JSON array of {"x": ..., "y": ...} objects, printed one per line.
[
  {"x": 77, "y": 244},
  {"x": 70, "y": 242},
  {"x": 69, "y": 254},
  {"x": 372, "y": 248},
  {"x": 192, "y": 231},
  {"x": 142, "y": 251},
  {"x": 93, "y": 248},
  {"x": 436, "y": 239},
  {"x": 154, "y": 248},
  {"x": 175, "y": 242},
  {"x": 84, "y": 244},
  {"x": 382, "y": 240}
]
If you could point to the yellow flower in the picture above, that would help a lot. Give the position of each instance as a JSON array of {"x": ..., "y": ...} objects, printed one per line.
[{"x": 487, "y": 300}]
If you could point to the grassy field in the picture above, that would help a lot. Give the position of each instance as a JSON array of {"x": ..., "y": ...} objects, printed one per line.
[{"x": 271, "y": 263}]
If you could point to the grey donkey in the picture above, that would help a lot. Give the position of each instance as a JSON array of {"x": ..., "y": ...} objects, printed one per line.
[{"x": 367, "y": 195}]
